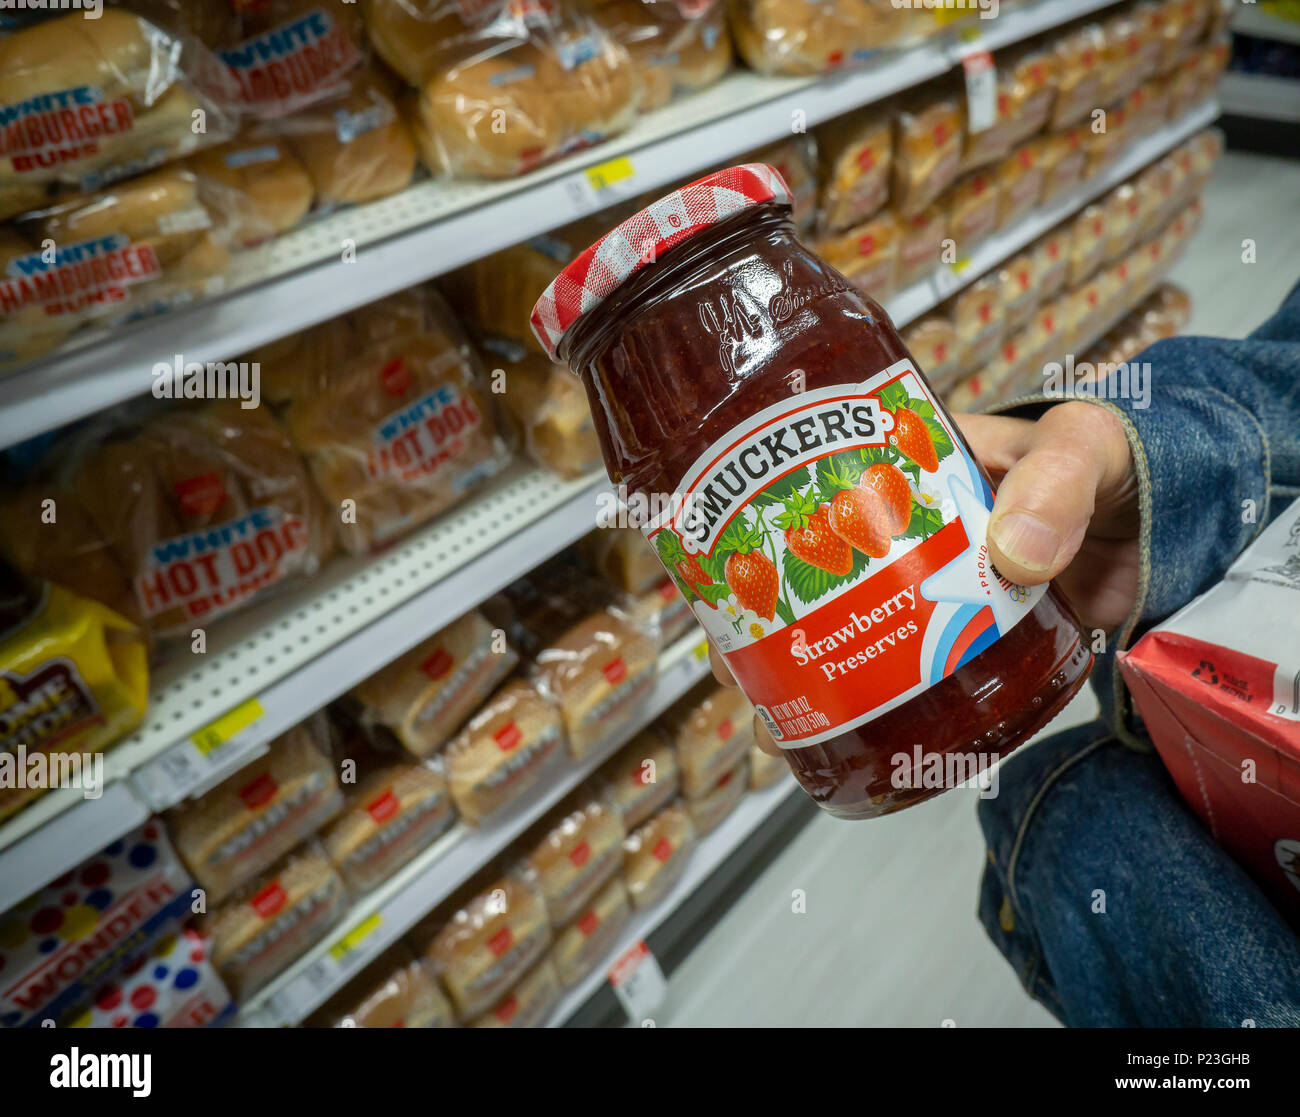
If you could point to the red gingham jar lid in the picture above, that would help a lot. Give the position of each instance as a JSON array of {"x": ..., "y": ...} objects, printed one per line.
[{"x": 644, "y": 237}]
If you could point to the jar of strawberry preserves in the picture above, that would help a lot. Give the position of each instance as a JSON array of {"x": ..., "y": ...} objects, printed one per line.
[{"x": 810, "y": 495}]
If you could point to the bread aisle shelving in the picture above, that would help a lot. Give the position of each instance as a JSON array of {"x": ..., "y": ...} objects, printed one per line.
[{"x": 433, "y": 227}]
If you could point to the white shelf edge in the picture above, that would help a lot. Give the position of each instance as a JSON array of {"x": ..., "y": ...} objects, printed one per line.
[
  {"x": 713, "y": 849},
  {"x": 433, "y": 875},
  {"x": 107, "y": 371},
  {"x": 1251, "y": 20},
  {"x": 1264, "y": 96}
]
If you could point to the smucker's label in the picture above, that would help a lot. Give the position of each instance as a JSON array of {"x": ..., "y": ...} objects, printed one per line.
[{"x": 833, "y": 547}]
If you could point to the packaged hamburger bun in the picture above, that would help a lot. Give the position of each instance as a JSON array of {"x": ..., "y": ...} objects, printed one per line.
[
  {"x": 396, "y": 809},
  {"x": 655, "y": 853},
  {"x": 1123, "y": 209},
  {"x": 662, "y": 611},
  {"x": 622, "y": 557},
  {"x": 1026, "y": 91},
  {"x": 90, "y": 102},
  {"x": 505, "y": 750},
  {"x": 215, "y": 23},
  {"x": 1051, "y": 254},
  {"x": 73, "y": 677},
  {"x": 974, "y": 204},
  {"x": 418, "y": 37},
  {"x": 718, "y": 801},
  {"x": 484, "y": 939},
  {"x": 274, "y": 184},
  {"x": 855, "y": 161},
  {"x": 254, "y": 817},
  {"x": 795, "y": 159},
  {"x": 426, "y": 694},
  {"x": 1087, "y": 243},
  {"x": 273, "y": 920},
  {"x": 19, "y": 197},
  {"x": 1129, "y": 55},
  {"x": 764, "y": 770},
  {"x": 711, "y": 728},
  {"x": 867, "y": 255},
  {"x": 389, "y": 408},
  {"x": 1019, "y": 179},
  {"x": 528, "y": 1004},
  {"x": 396, "y": 990},
  {"x": 920, "y": 243},
  {"x": 582, "y": 945},
  {"x": 1020, "y": 293},
  {"x": 675, "y": 45},
  {"x": 30, "y": 320},
  {"x": 782, "y": 37},
  {"x": 1063, "y": 157},
  {"x": 1079, "y": 74},
  {"x": 643, "y": 776},
  {"x": 977, "y": 316},
  {"x": 933, "y": 342},
  {"x": 573, "y": 851},
  {"x": 928, "y": 143}
]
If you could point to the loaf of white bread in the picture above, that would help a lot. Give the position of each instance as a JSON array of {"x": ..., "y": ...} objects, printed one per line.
[
  {"x": 712, "y": 728},
  {"x": 720, "y": 800},
  {"x": 655, "y": 853},
  {"x": 504, "y": 751},
  {"x": 252, "y": 819},
  {"x": 395, "y": 991},
  {"x": 588, "y": 939},
  {"x": 425, "y": 695},
  {"x": 764, "y": 769},
  {"x": 643, "y": 776},
  {"x": 528, "y": 1004},
  {"x": 573, "y": 851}
]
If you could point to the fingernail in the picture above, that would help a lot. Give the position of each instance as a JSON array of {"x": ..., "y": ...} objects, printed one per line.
[{"x": 1025, "y": 539}]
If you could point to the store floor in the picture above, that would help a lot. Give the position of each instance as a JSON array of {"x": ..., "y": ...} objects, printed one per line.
[{"x": 890, "y": 935}]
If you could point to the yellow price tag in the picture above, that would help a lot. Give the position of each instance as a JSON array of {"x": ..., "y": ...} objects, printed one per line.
[
  {"x": 606, "y": 174},
  {"x": 961, "y": 265},
  {"x": 355, "y": 937},
  {"x": 702, "y": 650},
  {"x": 217, "y": 733}
]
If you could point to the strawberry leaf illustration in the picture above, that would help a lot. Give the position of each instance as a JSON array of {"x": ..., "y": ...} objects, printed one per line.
[
  {"x": 732, "y": 540},
  {"x": 836, "y": 473},
  {"x": 798, "y": 508},
  {"x": 780, "y": 491},
  {"x": 893, "y": 396},
  {"x": 810, "y": 583},
  {"x": 714, "y": 593},
  {"x": 670, "y": 548},
  {"x": 926, "y": 520}
]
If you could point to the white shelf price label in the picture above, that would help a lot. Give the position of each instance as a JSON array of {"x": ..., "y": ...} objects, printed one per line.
[
  {"x": 638, "y": 982},
  {"x": 981, "y": 89},
  {"x": 171, "y": 777},
  {"x": 601, "y": 185}
]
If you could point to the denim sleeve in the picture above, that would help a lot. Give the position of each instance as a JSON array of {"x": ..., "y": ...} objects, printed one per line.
[{"x": 1216, "y": 446}]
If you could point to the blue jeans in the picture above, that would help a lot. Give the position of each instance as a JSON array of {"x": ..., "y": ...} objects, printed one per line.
[{"x": 1114, "y": 905}]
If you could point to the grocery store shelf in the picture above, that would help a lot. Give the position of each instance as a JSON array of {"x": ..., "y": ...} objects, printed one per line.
[
  {"x": 1262, "y": 24},
  {"x": 1263, "y": 96},
  {"x": 302, "y": 278},
  {"x": 752, "y": 811},
  {"x": 923, "y": 296},
  {"x": 377, "y": 920}
]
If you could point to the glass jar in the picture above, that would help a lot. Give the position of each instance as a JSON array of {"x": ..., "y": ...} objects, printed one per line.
[{"x": 810, "y": 494}]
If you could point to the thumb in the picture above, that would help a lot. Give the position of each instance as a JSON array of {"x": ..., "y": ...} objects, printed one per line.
[{"x": 1047, "y": 498}]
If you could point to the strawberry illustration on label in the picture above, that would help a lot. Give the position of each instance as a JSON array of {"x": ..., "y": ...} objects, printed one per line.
[
  {"x": 810, "y": 537},
  {"x": 862, "y": 519},
  {"x": 753, "y": 579},
  {"x": 691, "y": 570},
  {"x": 889, "y": 481},
  {"x": 912, "y": 438}
]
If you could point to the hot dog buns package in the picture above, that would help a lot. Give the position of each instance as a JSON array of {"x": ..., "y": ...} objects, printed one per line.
[
  {"x": 77, "y": 932},
  {"x": 973, "y": 203},
  {"x": 388, "y": 406},
  {"x": 528, "y": 1004},
  {"x": 426, "y": 694},
  {"x": 711, "y": 728},
  {"x": 274, "y": 185},
  {"x": 1020, "y": 291},
  {"x": 585, "y": 942},
  {"x": 1019, "y": 179},
  {"x": 257, "y": 815},
  {"x": 395, "y": 991},
  {"x": 765, "y": 770},
  {"x": 484, "y": 939},
  {"x": 505, "y": 750},
  {"x": 396, "y": 808},
  {"x": 622, "y": 557},
  {"x": 928, "y": 141},
  {"x": 977, "y": 316},
  {"x": 274, "y": 919},
  {"x": 779, "y": 37},
  {"x": 89, "y": 102},
  {"x": 1079, "y": 74},
  {"x": 1063, "y": 157},
  {"x": 933, "y": 341},
  {"x": 655, "y": 853},
  {"x": 572, "y": 852},
  {"x": 172, "y": 984},
  {"x": 718, "y": 801},
  {"x": 73, "y": 680},
  {"x": 662, "y": 610},
  {"x": 202, "y": 509},
  {"x": 855, "y": 159},
  {"x": 795, "y": 159},
  {"x": 676, "y": 46},
  {"x": 867, "y": 255},
  {"x": 920, "y": 243},
  {"x": 643, "y": 776}
]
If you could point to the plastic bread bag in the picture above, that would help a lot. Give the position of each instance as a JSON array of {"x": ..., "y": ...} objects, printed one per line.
[
  {"x": 622, "y": 557},
  {"x": 137, "y": 248},
  {"x": 1004, "y": 376},
  {"x": 1086, "y": 308},
  {"x": 600, "y": 672},
  {"x": 293, "y": 54},
  {"x": 791, "y": 37},
  {"x": 1181, "y": 24},
  {"x": 19, "y": 197},
  {"x": 1020, "y": 185},
  {"x": 389, "y": 408},
  {"x": 547, "y": 406},
  {"x": 275, "y": 189},
  {"x": 1020, "y": 291},
  {"x": 357, "y": 146},
  {"x": 396, "y": 990},
  {"x": 928, "y": 143},
  {"x": 573, "y": 851},
  {"x": 254, "y": 817},
  {"x": 676, "y": 46},
  {"x": 483, "y": 939},
  {"x": 1027, "y": 93},
  {"x": 214, "y": 23},
  {"x": 977, "y": 316},
  {"x": 170, "y": 984},
  {"x": 1064, "y": 160},
  {"x": 394, "y": 808},
  {"x": 1205, "y": 149},
  {"x": 1104, "y": 148},
  {"x": 867, "y": 256},
  {"x": 1087, "y": 243},
  {"x": 426, "y": 694},
  {"x": 855, "y": 155},
  {"x": 974, "y": 204},
  {"x": 528, "y": 1004},
  {"x": 582, "y": 945},
  {"x": 643, "y": 776},
  {"x": 508, "y": 748},
  {"x": 1129, "y": 55},
  {"x": 710, "y": 728},
  {"x": 274, "y": 919},
  {"x": 765, "y": 770},
  {"x": 1143, "y": 112},
  {"x": 1122, "y": 208},
  {"x": 655, "y": 853},
  {"x": 932, "y": 340},
  {"x": 718, "y": 801},
  {"x": 1079, "y": 74},
  {"x": 1210, "y": 62},
  {"x": 1166, "y": 312},
  {"x": 661, "y": 611},
  {"x": 534, "y": 611},
  {"x": 920, "y": 243},
  {"x": 537, "y": 83},
  {"x": 89, "y": 102},
  {"x": 419, "y": 38},
  {"x": 795, "y": 160},
  {"x": 73, "y": 680},
  {"x": 1051, "y": 253}
]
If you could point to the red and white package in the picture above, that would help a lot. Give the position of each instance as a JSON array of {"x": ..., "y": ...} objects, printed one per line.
[{"x": 1218, "y": 685}]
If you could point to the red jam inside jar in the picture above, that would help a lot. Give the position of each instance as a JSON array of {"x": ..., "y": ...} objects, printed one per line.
[{"x": 810, "y": 496}]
